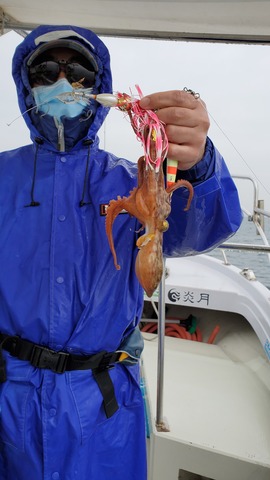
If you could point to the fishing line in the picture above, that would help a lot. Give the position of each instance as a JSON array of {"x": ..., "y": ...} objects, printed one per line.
[
  {"x": 234, "y": 147},
  {"x": 28, "y": 110}
]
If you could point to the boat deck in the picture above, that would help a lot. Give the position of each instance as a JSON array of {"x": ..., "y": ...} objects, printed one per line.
[{"x": 216, "y": 403}]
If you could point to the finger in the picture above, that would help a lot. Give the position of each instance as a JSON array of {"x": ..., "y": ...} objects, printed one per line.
[
  {"x": 172, "y": 98},
  {"x": 185, "y": 135},
  {"x": 178, "y": 116},
  {"x": 186, "y": 155}
]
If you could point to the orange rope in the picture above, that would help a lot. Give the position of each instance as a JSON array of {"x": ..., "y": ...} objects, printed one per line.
[
  {"x": 213, "y": 335},
  {"x": 175, "y": 330}
]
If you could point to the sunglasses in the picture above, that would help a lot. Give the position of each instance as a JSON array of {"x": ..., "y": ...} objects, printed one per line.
[{"x": 46, "y": 73}]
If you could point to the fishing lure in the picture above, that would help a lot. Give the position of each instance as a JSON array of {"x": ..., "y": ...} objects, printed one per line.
[{"x": 145, "y": 123}]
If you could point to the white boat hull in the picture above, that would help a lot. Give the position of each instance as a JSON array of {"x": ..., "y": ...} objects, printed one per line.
[{"x": 216, "y": 397}]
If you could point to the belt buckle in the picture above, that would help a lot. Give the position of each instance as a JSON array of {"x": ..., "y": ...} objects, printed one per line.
[
  {"x": 108, "y": 360},
  {"x": 43, "y": 357}
]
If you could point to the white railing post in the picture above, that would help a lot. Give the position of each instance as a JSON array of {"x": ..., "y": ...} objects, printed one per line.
[{"x": 161, "y": 423}]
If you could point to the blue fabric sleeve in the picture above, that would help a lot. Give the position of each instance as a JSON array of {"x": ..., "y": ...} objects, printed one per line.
[{"x": 215, "y": 212}]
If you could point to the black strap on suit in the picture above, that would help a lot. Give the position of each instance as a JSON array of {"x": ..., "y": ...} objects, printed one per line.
[{"x": 60, "y": 362}]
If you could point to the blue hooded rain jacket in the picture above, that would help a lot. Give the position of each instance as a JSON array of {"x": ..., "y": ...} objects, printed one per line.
[{"x": 59, "y": 287}]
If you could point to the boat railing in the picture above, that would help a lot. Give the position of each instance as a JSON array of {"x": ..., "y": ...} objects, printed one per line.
[{"x": 257, "y": 216}]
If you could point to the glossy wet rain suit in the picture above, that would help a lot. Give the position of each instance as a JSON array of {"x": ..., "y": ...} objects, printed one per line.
[{"x": 59, "y": 287}]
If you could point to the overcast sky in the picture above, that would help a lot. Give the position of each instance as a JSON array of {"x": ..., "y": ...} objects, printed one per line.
[{"x": 233, "y": 80}]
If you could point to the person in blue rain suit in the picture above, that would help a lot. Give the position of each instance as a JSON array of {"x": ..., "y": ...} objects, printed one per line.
[{"x": 71, "y": 405}]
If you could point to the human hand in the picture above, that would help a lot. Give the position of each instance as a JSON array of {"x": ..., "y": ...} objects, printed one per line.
[{"x": 186, "y": 124}]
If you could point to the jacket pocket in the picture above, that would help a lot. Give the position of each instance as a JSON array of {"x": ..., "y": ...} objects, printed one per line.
[
  {"x": 13, "y": 403},
  {"x": 16, "y": 394},
  {"x": 88, "y": 398}
]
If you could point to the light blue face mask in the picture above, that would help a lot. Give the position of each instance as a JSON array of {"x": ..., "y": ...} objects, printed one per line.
[{"x": 47, "y": 103}]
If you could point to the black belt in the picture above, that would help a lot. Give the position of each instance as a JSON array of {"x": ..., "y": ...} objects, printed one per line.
[{"x": 60, "y": 362}]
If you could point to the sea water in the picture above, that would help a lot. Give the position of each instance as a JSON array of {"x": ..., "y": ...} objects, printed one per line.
[{"x": 259, "y": 262}]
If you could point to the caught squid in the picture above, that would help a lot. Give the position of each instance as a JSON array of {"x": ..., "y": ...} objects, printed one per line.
[{"x": 150, "y": 203}]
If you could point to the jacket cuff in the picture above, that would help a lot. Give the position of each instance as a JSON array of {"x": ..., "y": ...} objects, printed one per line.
[{"x": 203, "y": 170}]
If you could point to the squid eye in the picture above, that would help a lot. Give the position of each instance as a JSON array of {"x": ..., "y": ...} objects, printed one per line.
[{"x": 164, "y": 226}]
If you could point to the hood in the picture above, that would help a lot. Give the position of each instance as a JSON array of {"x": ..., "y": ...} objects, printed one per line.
[{"x": 44, "y": 126}]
